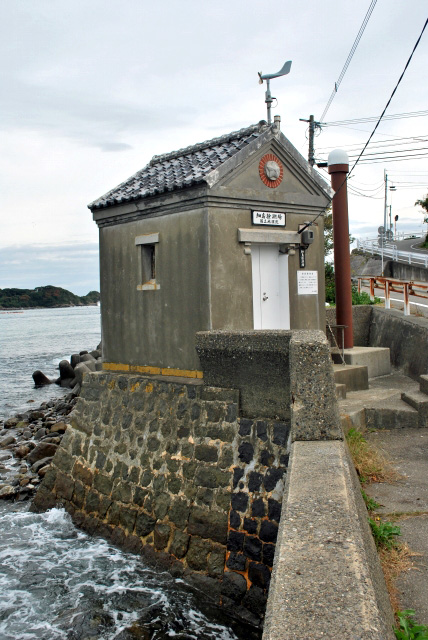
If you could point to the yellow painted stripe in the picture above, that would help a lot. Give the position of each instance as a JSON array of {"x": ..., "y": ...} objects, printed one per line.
[
  {"x": 165, "y": 371},
  {"x": 138, "y": 369},
  {"x": 113, "y": 366}
]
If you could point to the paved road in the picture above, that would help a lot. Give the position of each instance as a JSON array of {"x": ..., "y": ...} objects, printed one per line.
[
  {"x": 411, "y": 245},
  {"x": 407, "y": 501}
]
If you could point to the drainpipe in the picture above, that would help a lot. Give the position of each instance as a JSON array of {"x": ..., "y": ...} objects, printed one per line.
[{"x": 338, "y": 167}]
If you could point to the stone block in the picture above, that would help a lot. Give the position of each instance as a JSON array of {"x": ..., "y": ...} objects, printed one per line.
[
  {"x": 208, "y": 524},
  {"x": 234, "y": 586},
  {"x": 144, "y": 524}
]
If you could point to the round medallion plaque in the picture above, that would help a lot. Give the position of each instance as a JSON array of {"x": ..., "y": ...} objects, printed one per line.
[{"x": 271, "y": 170}]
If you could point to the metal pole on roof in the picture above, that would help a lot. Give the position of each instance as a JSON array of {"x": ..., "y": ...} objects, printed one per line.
[{"x": 268, "y": 77}]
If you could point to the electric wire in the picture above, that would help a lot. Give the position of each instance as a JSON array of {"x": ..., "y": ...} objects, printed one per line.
[
  {"x": 349, "y": 58},
  {"x": 393, "y": 116},
  {"x": 374, "y": 130}
]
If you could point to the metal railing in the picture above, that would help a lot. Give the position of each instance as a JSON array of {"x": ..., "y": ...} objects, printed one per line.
[
  {"x": 389, "y": 285},
  {"x": 390, "y": 250}
]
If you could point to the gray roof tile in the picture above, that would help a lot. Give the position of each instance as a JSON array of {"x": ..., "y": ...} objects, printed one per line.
[{"x": 180, "y": 169}]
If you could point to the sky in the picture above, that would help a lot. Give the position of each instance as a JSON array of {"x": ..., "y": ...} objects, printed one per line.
[{"x": 92, "y": 89}]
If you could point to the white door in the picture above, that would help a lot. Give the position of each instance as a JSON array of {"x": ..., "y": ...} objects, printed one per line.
[{"x": 271, "y": 309}]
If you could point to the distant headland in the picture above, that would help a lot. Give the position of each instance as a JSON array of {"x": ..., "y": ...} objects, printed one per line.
[{"x": 44, "y": 297}]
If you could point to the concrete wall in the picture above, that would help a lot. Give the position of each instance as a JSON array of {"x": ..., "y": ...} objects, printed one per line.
[
  {"x": 155, "y": 327},
  {"x": 402, "y": 271},
  {"x": 405, "y": 336},
  {"x": 361, "y": 321}
]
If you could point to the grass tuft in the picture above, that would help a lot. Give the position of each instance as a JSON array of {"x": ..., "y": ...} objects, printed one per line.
[{"x": 370, "y": 464}]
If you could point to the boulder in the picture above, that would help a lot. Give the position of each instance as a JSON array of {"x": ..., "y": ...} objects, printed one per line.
[
  {"x": 42, "y": 450},
  {"x": 59, "y": 427},
  {"x": 40, "y": 380},
  {"x": 96, "y": 354},
  {"x": 22, "y": 451},
  {"x": 41, "y": 463},
  {"x": 7, "y": 492},
  {"x": 6, "y": 442},
  {"x": 10, "y": 422}
]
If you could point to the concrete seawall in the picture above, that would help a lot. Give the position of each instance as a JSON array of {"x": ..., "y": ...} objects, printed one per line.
[{"x": 192, "y": 477}]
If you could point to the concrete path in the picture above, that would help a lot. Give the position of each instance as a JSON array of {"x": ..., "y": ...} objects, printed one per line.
[
  {"x": 407, "y": 448},
  {"x": 408, "y": 451}
]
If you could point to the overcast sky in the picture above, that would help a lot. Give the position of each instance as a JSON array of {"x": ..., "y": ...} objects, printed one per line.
[{"x": 92, "y": 89}]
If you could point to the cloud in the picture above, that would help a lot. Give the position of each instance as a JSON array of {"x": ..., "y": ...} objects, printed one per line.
[{"x": 73, "y": 267}]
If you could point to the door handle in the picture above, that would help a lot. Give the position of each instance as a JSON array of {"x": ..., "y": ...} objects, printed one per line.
[{"x": 265, "y": 297}]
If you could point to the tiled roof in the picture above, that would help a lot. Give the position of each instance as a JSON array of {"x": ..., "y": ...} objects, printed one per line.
[{"x": 180, "y": 169}]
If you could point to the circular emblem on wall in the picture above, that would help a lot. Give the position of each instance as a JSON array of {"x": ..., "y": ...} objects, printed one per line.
[{"x": 271, "y": 170}]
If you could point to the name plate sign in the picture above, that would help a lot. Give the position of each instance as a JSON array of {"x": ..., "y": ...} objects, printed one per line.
[
  {"x": 307, "y": 283},
  {"x": 268, "y": 218}
]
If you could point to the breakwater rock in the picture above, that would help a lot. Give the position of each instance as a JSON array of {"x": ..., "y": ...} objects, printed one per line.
[
  {"x": 29, "y": 440},
  {"x": 71, "y": 373}
]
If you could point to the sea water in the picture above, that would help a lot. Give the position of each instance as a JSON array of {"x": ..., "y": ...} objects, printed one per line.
[{"x": 56, "y": 582}]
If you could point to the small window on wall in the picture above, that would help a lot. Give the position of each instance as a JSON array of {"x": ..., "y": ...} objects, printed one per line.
[{"x": 147, "y": 246}]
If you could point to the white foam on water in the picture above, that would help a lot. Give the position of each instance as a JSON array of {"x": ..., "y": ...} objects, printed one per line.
[{"x": 55, "y": 581}]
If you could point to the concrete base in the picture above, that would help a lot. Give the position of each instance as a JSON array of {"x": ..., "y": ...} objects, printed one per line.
[
  {"x": 376, "y": 359},
  {"x": 326, "y": 581},
  {"x": 355, "y": 377}
]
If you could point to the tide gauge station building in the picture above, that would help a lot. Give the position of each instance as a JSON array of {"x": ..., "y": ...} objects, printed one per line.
[{"x": 207, "y": 238}]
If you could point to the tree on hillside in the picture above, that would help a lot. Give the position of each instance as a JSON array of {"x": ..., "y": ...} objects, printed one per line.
[{"x": 424, "y": 205}]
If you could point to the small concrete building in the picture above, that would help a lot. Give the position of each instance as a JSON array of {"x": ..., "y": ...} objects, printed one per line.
[{"x": 206, "y": 238}]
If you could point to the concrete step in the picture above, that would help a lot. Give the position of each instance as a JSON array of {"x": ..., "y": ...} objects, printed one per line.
[
  {"x": 355, "y": 377},
  {"x": 376, "y": 359},
  {"x": 341, "y": 391},
  {"x": 423, "y": 384},
  {"x": 418, "y": 401},
  {"x": 397, "y": 415}
]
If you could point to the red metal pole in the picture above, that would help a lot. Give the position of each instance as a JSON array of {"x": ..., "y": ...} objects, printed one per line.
[{"x": 338, "y": 168}]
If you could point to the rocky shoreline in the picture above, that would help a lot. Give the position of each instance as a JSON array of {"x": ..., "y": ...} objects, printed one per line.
[{"x": 29, "y": 440}]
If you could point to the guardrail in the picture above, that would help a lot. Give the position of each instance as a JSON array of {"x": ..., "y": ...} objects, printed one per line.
[
  {"x": 389, "y": 285},
  {"x": 390, "y": 250}
]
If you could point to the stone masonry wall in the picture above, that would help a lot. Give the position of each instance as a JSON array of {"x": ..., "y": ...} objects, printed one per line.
[{"x": 170, "y": 470}]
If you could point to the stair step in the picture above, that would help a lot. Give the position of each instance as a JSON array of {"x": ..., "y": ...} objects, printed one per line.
[
  {"x": 397, "y": 416},
  {"x": 341, "y": 391},
  {"x": 416, "y": 399},
  {"x": 355, "y": 377},
  {"x": 423, "y": 383}
]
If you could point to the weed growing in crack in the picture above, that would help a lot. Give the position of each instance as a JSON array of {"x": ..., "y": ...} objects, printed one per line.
[{"x": 408, "y": 629}]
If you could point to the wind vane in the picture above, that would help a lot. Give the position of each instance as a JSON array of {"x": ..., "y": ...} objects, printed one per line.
[{"x": 268, "y": 77}]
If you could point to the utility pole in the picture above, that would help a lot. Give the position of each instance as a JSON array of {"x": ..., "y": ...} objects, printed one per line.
[{"x": 312, "y": 126}]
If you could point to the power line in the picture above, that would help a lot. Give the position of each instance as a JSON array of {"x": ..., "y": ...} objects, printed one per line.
[
  {"x": 392, "y": 95},
  {"x": 381, "y": 143},
  {"x": 349, "y": 58},
  {"x": 394, "y": 116}
]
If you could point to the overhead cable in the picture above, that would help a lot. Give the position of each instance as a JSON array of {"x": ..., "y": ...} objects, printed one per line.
[
  {"x": 391, "y": 96},
  {"x": 393, "y": 116},
  {"x": 349, "y": 58}
]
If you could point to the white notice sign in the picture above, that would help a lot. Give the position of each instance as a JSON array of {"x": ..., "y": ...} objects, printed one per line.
[
  {"x": 272, "y": 219},
  {"x": 307, "y": 283}
]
